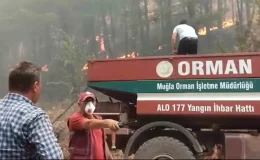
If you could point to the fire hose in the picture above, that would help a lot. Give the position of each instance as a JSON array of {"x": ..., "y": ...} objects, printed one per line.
[
  {"x": 64, "y": 112},
  {"x": 71, "y": 105}
]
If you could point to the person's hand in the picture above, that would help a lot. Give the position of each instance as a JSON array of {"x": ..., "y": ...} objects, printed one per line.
[
  {"x": 112, "y": 124},
  {"x": 174, "y": 52}
]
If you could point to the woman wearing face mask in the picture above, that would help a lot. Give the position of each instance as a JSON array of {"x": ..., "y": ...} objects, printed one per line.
[{"x": 87, "y": 139}]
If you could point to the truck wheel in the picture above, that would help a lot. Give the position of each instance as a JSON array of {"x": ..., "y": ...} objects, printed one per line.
[{"x": 163, "y": 148}]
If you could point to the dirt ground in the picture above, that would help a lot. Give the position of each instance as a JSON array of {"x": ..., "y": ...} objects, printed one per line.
[{"x": 60, "y": 126}]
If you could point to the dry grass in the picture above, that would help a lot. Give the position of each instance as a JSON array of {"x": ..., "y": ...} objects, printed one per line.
[{"x": 54, "y": 109}]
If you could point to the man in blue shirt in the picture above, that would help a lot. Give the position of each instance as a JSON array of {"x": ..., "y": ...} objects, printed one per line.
[{"x": 25, "y": 130}]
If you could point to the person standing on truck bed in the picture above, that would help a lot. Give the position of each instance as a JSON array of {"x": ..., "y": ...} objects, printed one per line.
[
  {"x": 25, "y": 130},
  {"x": 188, "y": 39},
  {"x": 87, "y": 139}
]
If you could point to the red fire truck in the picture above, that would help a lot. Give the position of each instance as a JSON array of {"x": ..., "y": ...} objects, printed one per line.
[{"x": 182, "y": 107}]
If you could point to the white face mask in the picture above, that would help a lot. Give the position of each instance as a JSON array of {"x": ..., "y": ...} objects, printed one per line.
[{"x": 90, "y": 108}]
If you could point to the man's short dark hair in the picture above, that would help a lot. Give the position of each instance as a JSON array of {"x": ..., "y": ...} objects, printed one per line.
[
  {"x": 184, "y": 21},
  {"x": 23, "y": 76}
]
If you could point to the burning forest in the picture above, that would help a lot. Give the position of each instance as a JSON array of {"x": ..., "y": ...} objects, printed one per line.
[{"x": 61, "y": 36}]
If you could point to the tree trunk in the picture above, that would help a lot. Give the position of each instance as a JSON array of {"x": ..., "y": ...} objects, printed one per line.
[
  {"x": 247, "y": 5},
  {"x": 220, "y": 9},
  {"x": 113, "y": 27},
  {"x": 113, "y": 34},
  {"x": 134, "y": 26},
  {"x": 191, "y": 9},
  {"x": 92, "y": 46},
  {"x": 201, "y": 7},
  {"x": 207, "y": 8},
  {"x": 169, "y": 26},
  {"x": 126, "y": 30},
  {"x": 48, "y": 44},
  {"x": 147, "y": 26},
  {"x": 240, "y": 10},
  {"x": 192, "y": 13},
  {"x": 226, "y": 3},
  {"x": 162, "y": 19},
  {"x": 233, "y": 10},
  {"x": 105, "y": 31},
  {"x": 141, "y": 27}
]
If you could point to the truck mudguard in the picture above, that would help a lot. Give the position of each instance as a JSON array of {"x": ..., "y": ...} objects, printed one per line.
[{"x": 197, "y": 147}]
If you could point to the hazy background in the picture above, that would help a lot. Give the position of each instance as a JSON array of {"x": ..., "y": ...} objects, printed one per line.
[{"x": 64, "y": 34}]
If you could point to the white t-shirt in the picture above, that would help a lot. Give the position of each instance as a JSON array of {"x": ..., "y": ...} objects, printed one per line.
[{"x": 184, "y": 30}]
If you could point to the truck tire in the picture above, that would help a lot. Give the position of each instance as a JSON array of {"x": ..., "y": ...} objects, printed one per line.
[{"x": 163, "y": 148}]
